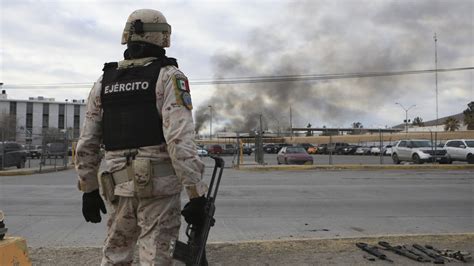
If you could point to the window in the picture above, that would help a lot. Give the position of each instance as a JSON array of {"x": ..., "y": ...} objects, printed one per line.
[
  {"x": 402, "y": 144},
  {"x": 45, "y": 121},
  {"x": 470, "y": 143},
  {"x": 29, "y": 108},
  {"x": 61, "y": 116},
  {"x": 77, "y": 108},
  {"x": 13, "y": 108},
  {"x": 29, "y": 121},
  {"x": 45, "y": 115}
]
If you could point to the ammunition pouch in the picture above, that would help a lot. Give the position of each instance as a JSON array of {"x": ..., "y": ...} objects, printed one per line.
[
  {"x": 108, "y": 186},
  {"x": 142, "y": 179}
]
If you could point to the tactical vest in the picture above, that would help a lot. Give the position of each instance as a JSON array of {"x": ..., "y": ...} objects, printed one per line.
[{"x": 130, "y": 117}]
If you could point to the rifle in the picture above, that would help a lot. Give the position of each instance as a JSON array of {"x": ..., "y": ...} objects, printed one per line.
[
  {"x": 373, "y": 250},
  {"x": 193, "y": 252},
  {"x": 401, "y": 251},
  {"x": 433, "y": 254}
]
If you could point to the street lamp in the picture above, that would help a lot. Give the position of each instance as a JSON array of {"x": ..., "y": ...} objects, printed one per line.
[
  {"x": 210, "y": 122},
  {"x": 406, "y": 115}
]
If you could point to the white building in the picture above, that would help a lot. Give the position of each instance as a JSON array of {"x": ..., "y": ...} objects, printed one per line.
[{"x": 34, "y": 115}]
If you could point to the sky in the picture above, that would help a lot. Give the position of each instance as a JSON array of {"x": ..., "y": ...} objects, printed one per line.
[{"x": 57, "y": 49}]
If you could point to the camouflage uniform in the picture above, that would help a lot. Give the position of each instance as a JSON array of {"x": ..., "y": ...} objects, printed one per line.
[{"x": 154, "y": 221}]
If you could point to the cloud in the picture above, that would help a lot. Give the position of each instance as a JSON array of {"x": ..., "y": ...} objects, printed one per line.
[{"x": 68, "y": 41}]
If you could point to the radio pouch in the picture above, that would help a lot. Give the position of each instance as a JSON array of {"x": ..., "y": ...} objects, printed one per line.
[
  {"x": 143, "y": 178},
  {"x": 108, "y": 186}
]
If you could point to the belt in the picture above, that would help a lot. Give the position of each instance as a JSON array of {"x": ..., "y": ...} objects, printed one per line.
[{"x": 159, "y": 169}]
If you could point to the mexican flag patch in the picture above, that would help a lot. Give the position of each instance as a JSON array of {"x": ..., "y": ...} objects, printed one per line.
[{"x": 182, "y": 84}]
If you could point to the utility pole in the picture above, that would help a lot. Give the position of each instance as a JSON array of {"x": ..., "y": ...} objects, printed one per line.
[
  {"x": 291, "y": 123},
  {"x": 436, "y": 75},
  {"x": 66, "y": 137},
  {"x": 210, "y": 122}
]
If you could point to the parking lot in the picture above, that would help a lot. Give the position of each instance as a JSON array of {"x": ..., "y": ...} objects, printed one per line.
[{"x": 318, "y": 159}]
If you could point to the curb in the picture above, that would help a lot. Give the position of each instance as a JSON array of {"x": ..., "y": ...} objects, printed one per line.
[
  {"x": 32, "y": 171},
  {"x": 356, "y": 167}
]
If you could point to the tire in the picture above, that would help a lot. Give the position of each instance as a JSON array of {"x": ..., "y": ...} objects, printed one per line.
[
  {"x": 449, "y": 160},
  {"x": 470, "y": 158},
  {"x": 21, "y": 164},
  {"x": 395, "y": 159},
  {"x": 416, "y": 159}
]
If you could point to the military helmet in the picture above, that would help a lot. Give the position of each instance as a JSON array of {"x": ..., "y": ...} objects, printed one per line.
[{"x": 147, "y": 25}]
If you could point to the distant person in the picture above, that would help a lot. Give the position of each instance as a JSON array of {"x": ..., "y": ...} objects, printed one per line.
[{"x": 140, "y": 111}]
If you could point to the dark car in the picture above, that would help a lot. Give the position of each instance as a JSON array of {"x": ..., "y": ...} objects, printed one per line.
[
  {"x": 338, "y": 147},
  {"x": 247, "y": 150},
  {"x": 229, "y": 149},
  {"x": 294, "y": 155},
  {"x": 34, "y": 151},
  {"x": 322, "y": 149},
  {"x": 12, "y": 154},
  {"x": 55, "y": 150},
  {"x": 350, "y": 150},
  {"x": 271, "y": 148}
]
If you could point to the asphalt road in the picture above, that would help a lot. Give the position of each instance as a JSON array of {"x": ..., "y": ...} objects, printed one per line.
[{"x": 46, "y": 208}]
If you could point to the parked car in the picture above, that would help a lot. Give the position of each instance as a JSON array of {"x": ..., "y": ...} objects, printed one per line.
[
  {"x": 374, "y": 150},
  {"x": 312, "y": 150},
  {"x": 349, "y": 150},
  {"x": 12, "y": 154},
  {"x": 417, "y": 151},
  {"x": 460, "y": 150},
  {"x": 306, "y": 146},
  {"x": 362, "y": 150},
  {"x": 338, "y": 147},
  {"x": 247, "y": 150},
  {"x": 387, "y": 150},
  {"x": 271, "y": 148},
  {"x": 214, "y": 149},
  {"x": 294, "y": 155},
  {"x": 229, "y": 149},
  {"x": 202, "y": 152},
  {"x": 55, "y": 150},
  {"x": 322, "y": 149},
  {"x": 34, "y": 151}
]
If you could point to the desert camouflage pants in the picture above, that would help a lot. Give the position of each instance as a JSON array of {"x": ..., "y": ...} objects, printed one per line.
[{"x": 151, "y": 223}]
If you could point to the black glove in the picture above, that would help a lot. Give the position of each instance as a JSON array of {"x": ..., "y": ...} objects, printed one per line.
[
  {"x": 193, "y": 211},
  {"x": 92, "y": 204}
]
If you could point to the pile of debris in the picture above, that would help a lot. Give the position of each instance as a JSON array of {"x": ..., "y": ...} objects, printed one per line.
[{"x": 416, "y": 252}]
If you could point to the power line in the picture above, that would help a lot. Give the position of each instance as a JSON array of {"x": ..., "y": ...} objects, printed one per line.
[{"x": 255, "y": 79}]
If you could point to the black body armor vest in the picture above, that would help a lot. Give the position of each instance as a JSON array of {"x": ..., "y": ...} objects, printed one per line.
[{"x": 130, "y": 117}]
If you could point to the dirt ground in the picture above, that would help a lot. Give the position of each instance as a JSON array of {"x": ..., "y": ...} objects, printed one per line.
[{"x": 280, "y": 252}]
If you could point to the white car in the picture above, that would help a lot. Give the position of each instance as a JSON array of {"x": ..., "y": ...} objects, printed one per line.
[
  {"x": 460, "y": 150},
  {"x": 202, "y": 152},
  {"x": 387, "y": 150},
  {"x": 374, "y": 150},
  {"x": 417, "y": 151}
]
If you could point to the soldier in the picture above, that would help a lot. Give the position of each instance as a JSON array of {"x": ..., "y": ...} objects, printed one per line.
[{"x": 140, "y": 111}]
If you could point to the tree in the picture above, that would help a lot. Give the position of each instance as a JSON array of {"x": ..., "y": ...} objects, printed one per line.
[
  {"x": 357, "y": 125},
  {"x": 451, "y": 124},
  {"x": 469, "y": 116},
  {"x": 418, "y": 121}
]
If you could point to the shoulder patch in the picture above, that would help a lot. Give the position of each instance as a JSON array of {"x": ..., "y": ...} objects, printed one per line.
[
  {"x": 186, "y": 97},
  {"x": 182, "y": 91},
  {"x": 182, "y": 83}
]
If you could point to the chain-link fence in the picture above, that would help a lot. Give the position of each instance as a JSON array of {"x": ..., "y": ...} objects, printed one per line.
[
  {"x": 367, "y": 149},
  {"x": 50, "y": 149}
]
